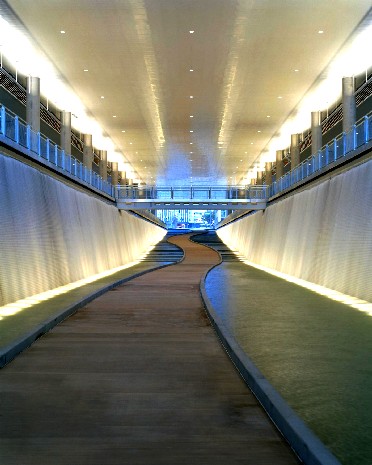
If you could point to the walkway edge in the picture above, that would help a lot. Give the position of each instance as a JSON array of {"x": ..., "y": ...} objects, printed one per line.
[
  {"x": 303, "y": 441},
  {"x": 8, "y": 353}
]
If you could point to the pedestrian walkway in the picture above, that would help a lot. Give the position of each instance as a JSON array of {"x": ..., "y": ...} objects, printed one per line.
[
  {"x": 136, "y": 377},
  {"x": 22, "y": 328}
]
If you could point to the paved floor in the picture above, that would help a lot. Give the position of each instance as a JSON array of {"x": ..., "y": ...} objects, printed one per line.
[
  {"x": 136, "y": 377},
  {"x": 18, "y": 331}
]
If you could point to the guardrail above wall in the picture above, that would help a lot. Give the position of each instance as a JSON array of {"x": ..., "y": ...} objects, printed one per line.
[
  {"x": 339, "y": 148},
  {"x": 192, "y": 197},
  {"x": 43, "y": 149}
]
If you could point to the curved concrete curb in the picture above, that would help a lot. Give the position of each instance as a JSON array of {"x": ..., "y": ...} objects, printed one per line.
[
  {"x": 302, "y": 440},
  {"x": 8, "y": 353}
]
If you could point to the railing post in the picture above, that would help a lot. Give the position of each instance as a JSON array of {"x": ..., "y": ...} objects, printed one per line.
[
  {"x": 354, "y": 137},
  {"x": 48, "y": 149},
  {"x": 16, "y": 129},
  {"x": 39, "y": 144},
  {"x": 3, "y": 120},
  {"x": 366, "y": 129},
  {"x": 63, "y": 159},
  {"x": 28, "y": 137},
  {"x": 326, "y": 154},
  {"x": 343, "y": 144},
  {"x": 334, "y": 149}
]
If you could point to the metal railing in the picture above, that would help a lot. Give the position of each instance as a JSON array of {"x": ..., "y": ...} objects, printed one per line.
[
  {"x": 17, "y": 130},
  {"x": 192, "y": 193},
  {"x": 337, "y": 149}
]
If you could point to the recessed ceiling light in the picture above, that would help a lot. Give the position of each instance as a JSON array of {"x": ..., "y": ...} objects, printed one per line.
[
  {"x": 258, "y": 131},
  {"x": 130, "y": 143},
  {"x": 268, "y": 116},
  {"x": 140, "y": 160},
  {"x": 86, "y": 70},
  {"x": 191, "y": 131},
  {"x": 191, "y": 116},
  {"x": 63, "y": 32},
  {"x": 114, "y": 116},
  {"x": 191, "y": 143},
  {"x": 102, "y": 96},
  {"x": 280, "y": 96},
  {"x": 191, "y": 32},
  {"x": 320, "y": 32},
  {"x": 190, "y": 159},
  {"x": 241, "y": 160},
  {"x": 136, "y": 152},
  {"x": 191, "y": 70},
  {"x": 191, "y": 96},
  {"x": 251, "y": 144},
  {"x": 122, "y": 131},
  {"x": 245, "y": 152},
  {"x": 296, "y": 70},
  {"x": 191, "y": 152}
]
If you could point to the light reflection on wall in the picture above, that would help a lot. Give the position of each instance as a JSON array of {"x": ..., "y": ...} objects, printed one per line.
[
  {"x": 22, "y": 304},
  {"x": 322, "y": 235},
  {"x": 52, "y": 235}
]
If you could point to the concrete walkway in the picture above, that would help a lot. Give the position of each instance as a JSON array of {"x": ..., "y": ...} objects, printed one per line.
[
  {"x": 136, "y": 377},
  {"x": 20, "y": 330}
]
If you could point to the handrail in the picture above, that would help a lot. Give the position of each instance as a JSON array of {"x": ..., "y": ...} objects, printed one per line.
[
  {"x": 17, "y": 130},
  {"x": 192, "y": 193},
  {"x": 339, "y": 147}
]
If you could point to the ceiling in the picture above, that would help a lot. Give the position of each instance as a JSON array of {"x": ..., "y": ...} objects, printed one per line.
[{"x": 252, "y": 62}]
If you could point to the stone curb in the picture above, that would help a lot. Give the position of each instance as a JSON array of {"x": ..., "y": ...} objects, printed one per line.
[{"x": 303, "y": 441}]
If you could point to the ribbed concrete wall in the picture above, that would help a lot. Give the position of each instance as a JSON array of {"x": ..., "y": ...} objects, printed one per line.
[
  {"x": 52, "y": 234},
  {"x": 322, "y": 235}
]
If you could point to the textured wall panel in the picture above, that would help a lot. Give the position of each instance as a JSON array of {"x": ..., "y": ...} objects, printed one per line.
[
  {"x": 52, "y": 234},
  {"x": 322, "y": 235}
]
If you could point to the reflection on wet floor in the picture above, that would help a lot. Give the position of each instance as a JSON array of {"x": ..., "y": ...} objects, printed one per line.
[{"x": 316, "y": 352}]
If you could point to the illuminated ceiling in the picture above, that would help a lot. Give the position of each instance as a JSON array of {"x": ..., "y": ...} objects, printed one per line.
[{"x": 199, "y": 86}]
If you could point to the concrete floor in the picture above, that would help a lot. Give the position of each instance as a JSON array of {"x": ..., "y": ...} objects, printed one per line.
[{"x": 136, "y": 377}]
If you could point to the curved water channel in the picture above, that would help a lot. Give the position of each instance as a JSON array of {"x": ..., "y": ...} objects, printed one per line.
[{"x": 314, "y": 351}]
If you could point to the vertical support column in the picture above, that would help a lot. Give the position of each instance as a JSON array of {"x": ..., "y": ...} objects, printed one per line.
[
  {"x": 295, "y": 150},
  {"x": 316, "y": 132},
  {"x": 103, "y": 165},
  {"x": 269, "y": 176},
  {"x": 114, "y": 173},
  {"x": 279, "y": 164},
  {"x": 33, "y": 103},
  {"x": 348, "y": 104},
  {"x": 88, "y": 151},
  {"x": 66, "y": 131},
  {"x": 259, "y": 178}
]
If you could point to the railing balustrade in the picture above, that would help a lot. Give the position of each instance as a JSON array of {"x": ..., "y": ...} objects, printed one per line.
[
  {"x": 338, "y": 148},
  {"x": 14, "y": 128},
  {"x": 192, "y": 193}
]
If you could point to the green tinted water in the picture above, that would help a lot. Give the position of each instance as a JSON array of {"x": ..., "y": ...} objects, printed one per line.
[{"x": 316, "y": 352}]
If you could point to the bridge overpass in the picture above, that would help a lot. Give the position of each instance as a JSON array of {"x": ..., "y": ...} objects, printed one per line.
[{"x": 192, "y": 197}]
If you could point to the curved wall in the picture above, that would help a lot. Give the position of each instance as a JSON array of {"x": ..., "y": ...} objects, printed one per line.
[
  {"x": 52, "y": 234},
  {"x": 322, "y": 235}
]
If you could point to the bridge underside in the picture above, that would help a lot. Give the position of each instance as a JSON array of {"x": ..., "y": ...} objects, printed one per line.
[{"x": 139, "y": 204}]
